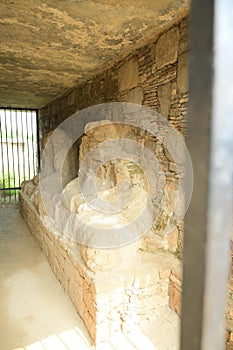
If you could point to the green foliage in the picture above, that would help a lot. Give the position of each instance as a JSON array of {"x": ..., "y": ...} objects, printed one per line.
[{"x": 8, "y": 182}]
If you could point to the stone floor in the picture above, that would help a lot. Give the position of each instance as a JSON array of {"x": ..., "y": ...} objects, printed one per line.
[
  {"x": 36, "y": 314},
  {"x": 35, "y": 311}
]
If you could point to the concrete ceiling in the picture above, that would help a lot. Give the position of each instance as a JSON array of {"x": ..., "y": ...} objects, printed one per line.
[{"x": 46, "y": 47}]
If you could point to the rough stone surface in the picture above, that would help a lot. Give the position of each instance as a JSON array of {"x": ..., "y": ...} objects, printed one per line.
[
  {"x": 135, "y": 96},
  {"x": 113, "y": 290},
  {"x": 173, "y": 240},
  {"x": 155, "y": 83},
  {"x": 166, "y": 50},
  {"x": 50, "y": 46},
  {"x": 152, "y": 83},
  {"x": 164, "y": 93},
  {"x": 108, "y": 301},
  {"x": 128, "y": 75},
  {"x": 175, "y": 290},
  {"x": 160, "y": 91},
  {"x": 182, "y": 77}
]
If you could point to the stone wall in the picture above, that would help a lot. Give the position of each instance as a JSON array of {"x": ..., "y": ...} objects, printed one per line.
[
  {"x": 156, "y": 76},
  {"x": 113, "y": 290}
]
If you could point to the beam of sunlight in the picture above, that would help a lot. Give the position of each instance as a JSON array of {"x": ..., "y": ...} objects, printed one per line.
[
  {"x": 73, "y": 340},
  {"x": 140, "y": 341},
  {"x": 53, "y": 342},
  {"x": 131, "y": 341},
  {"x": 35, "y": 346},
  {"x": 70, "y": 339}
]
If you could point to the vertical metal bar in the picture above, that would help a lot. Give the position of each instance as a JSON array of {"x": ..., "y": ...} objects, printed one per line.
[
  {"x": 7, "y": 153},
  {"x": 23, "y": 145},
  {"x": 206, "y": 239},
  {"x": 12, "y": 149},
  {"x": 220, "y": 209},
  {"x": 33, "y": 141},
  {"x": 200, "y": 86},
  {"x": 38, "y": 140},
  {"x": 2, "y": 149},
  {"x": 28, "y": 153},
  {"x": 17, "y": 140},
  {"x": 12, "y": 156}
]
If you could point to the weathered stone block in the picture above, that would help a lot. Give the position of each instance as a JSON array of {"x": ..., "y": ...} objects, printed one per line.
[
  {"x": 175, "y": 289},
  {"x": 103, "y": 260},
  {"x": 166, "y": 48},
  {"x": 128, "y": 75},
  {"x": 182, "y": 74},
  {"x": 107, "y": 301},
  {"x": 175, "y": 298},
  {"x": 173, "y": 240},
  {"x": 164, "y": 95},
  {"x": 135, "y": 96}
]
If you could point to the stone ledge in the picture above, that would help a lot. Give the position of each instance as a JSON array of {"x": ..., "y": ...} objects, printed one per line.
[{"x": 109, "y": 302}]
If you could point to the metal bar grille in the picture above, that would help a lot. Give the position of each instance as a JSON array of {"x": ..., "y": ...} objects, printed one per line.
[{"x": 19, "y": 150}]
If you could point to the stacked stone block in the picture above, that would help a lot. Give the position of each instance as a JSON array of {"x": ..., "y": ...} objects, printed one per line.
[{"x": 156, "y": 76}]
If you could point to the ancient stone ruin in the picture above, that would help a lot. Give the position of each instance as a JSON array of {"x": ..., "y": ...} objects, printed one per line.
[
  {"x": 118, "y": 289},
  {"x": 124, "y": 288}
]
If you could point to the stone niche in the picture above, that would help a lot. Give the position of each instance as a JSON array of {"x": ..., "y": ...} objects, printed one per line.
[{"x": 115, "y": 290}]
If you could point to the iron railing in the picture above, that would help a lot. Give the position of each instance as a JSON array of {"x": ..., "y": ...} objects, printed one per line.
[{"x": 19, "y": 150}]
